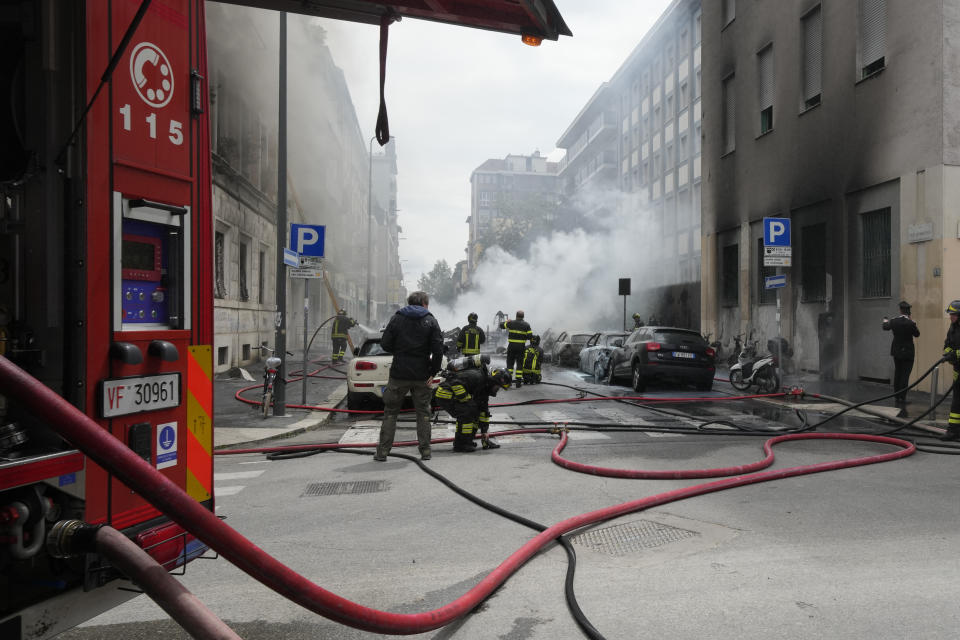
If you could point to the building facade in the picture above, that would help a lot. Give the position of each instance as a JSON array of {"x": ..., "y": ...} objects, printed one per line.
[
  {"x": 635, "y": 147},
  {"x": 843, "y": 118},
  {"x": 510, "y": 201},
  {"x": 330, "y": 181}
]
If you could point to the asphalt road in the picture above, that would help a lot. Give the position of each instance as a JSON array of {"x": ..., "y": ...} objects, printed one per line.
[{"x": 866, "y": 552}]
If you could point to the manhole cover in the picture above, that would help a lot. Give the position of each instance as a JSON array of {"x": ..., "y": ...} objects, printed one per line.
[
  {"x": 631, "y": 537},
  {"x": 343, "y": 488}
]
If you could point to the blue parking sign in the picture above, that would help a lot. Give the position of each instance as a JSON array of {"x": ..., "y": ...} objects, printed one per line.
[
  {"x": 776, "y": 232},
  {"x": 307, "y": 239}
]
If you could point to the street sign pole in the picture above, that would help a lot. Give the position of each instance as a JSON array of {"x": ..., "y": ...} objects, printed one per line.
[
  {"x": 306, "y": 318},
  {"x": 777, "y": 251}
]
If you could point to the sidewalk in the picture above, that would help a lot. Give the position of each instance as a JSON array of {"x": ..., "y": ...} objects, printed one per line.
[{"x": 237, "y": 423}]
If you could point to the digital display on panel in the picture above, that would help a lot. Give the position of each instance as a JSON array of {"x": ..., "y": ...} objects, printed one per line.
[{"x": 138, "y": 255}]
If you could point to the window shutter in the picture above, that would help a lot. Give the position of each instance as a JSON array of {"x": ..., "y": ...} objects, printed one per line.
[
  {"x": 812, "y": 54},
  {"x": 873, "y": 31},
  {"x": 729, "y": 115},
  {"x": 765, "y": 72}
]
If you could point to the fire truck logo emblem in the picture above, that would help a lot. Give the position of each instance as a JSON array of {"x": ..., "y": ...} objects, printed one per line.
[{"x": 151, "y": 74}]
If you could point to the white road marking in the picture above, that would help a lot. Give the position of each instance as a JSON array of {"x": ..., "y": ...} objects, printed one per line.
[
  {"x": 228, "y": 491},
  {"x": 237, "y": 475}
]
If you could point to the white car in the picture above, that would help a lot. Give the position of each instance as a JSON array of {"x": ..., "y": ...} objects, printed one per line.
[{"x": 368, "y": 373}]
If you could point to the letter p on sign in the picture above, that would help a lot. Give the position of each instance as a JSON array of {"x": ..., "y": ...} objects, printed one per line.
[
  {"x": 307, "y": 239},
  {"x": 776, "y": 232}
]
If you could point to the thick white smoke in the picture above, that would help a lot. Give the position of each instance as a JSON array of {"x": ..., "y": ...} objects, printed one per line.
[{"x": 570, "y": 281}]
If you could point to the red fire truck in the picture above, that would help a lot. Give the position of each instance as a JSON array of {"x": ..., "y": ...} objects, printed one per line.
[{"x": 105, "y": 271}]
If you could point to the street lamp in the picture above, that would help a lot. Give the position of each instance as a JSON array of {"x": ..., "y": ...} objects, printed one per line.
[{"x": 369, "y": 223}]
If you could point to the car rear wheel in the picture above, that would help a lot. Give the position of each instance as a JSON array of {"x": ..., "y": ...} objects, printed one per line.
[
  {"x": 639, "y": 384},
  {"x": 354, "y": 401}
]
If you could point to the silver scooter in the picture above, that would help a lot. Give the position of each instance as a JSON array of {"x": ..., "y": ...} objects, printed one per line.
[{"x": 752, "y": 370}]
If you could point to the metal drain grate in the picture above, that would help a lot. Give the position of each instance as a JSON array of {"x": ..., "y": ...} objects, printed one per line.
[
  {"x": 345, "y": 488},
  {"x": 631, "y": 537}
]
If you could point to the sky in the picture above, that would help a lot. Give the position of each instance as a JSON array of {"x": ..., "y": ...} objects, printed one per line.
[{"x": 458, "y": 96}]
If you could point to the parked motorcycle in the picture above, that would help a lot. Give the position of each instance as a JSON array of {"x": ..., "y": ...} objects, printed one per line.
[{"x": 752, "y": 370}]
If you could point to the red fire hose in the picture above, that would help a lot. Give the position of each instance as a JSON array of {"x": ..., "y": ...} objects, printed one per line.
[{"x": 140, "y": 476}]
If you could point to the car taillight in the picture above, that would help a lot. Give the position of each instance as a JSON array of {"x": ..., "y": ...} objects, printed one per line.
[
  {"x": 653, "y": 346},
  {"x": 710, "y": 352},
  {"x": 363, "y": 365}
]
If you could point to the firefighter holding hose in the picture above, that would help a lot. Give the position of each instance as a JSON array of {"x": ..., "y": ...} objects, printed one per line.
[{"x": 951, "y": 345}]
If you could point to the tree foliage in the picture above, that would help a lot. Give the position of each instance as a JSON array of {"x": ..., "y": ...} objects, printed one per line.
[
  {"x": 438, "y": 283},
  {"x": 524, "y": 217}
]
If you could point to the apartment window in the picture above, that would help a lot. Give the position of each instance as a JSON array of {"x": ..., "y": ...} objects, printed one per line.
[
  {"x": 220, "y": 279},
  {"x": 729, "y": 11},
  {"x": 765, "y": 84},
  {"x": 875, "y": 228},
  {"x": 261, "y": 276},
  {"x": 873, "y": 36},
  {"x": 813, "y": 263},
  {"x": 812, "y": 54},
  {"x": 764, "y": 295},
  {"x": 729, "y": 290},
  {"x": 244, "y": 270},
  {"x": 729, "y": 115},
  {"x": 223, "y": 354}
]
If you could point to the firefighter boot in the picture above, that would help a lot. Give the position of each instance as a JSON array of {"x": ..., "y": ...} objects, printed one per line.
[
  {"x": 490, "y": 443},
  {"x": 952, "y": 434}
]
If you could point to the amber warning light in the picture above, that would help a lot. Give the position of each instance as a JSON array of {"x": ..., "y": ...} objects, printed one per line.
[{"x": 533, "y": 41}]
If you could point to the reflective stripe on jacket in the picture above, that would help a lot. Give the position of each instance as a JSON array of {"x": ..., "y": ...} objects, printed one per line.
[
  {"x": 518, "y": 331},
  {"x": 470, "y": 339}
]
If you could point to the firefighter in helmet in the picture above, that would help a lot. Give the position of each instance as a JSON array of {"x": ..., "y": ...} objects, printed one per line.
[
  {"x": 532, "y": 357},
  {"x": 518, "y": 332},
  {"x": 951, "y": 351},
  {"x": 470, "y": 337},
  {"x": 465, "y": 395},
  {"x": 338, "y": 334},
  {"x": 637, "y": 322}
]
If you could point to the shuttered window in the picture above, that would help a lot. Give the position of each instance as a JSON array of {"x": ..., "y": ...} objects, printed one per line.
[
  {"x": 765, "y": 84},
  {"x": 813, "y": 263},
  {"x": 729, "y": 116},
  {"x": 873, "y": 36},
  {"x": 731, "y": 270},
  {"x": 729, "y": 11},
  {"x": 875, "y": 228},
  {"x": 812, "y": 43}
]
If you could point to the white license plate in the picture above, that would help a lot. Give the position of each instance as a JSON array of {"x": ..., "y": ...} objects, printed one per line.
[
  {"x": 124, "y": 396},
  {"x": 684, "y": 354}
]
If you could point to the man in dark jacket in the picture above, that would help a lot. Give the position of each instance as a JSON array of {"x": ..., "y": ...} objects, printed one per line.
[
  {"x": 413, "y": 337},
  {"x": 904, "y": 330},
  {"x": 518, "y": 332},
  {"x": 338, "y": 334}
]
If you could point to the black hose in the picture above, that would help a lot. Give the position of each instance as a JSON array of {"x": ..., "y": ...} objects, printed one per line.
[{"x": 572, "y": 604}]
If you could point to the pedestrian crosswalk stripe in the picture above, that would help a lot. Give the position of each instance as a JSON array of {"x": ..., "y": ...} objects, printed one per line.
[
  {"x": 228, "y": 491},
  {"x": 237, "y": 475}
]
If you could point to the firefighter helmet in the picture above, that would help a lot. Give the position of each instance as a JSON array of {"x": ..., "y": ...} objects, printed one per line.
[
  {"x": 500, "y": 378},
  {"x": 534, "y": 340},
  {"x": 472, "y": 318},
  {"x": 636, "y": 316},
  {"x": 954, "y": 307},
  {"x": 342, "y": 312}
]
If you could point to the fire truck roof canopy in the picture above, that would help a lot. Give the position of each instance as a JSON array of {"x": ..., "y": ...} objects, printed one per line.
[{"x": 522, "y": 17}]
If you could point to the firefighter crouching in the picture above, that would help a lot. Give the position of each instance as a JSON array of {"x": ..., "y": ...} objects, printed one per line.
[
  {"x": 951, "y": 345},
  {"x": 532, "y": 358},
  {"x": 518, "y": 332},
  {"x": 338, "y": 334},
  {"x": 470, "y": 337},
  {"x": 465, "y": 394}
]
